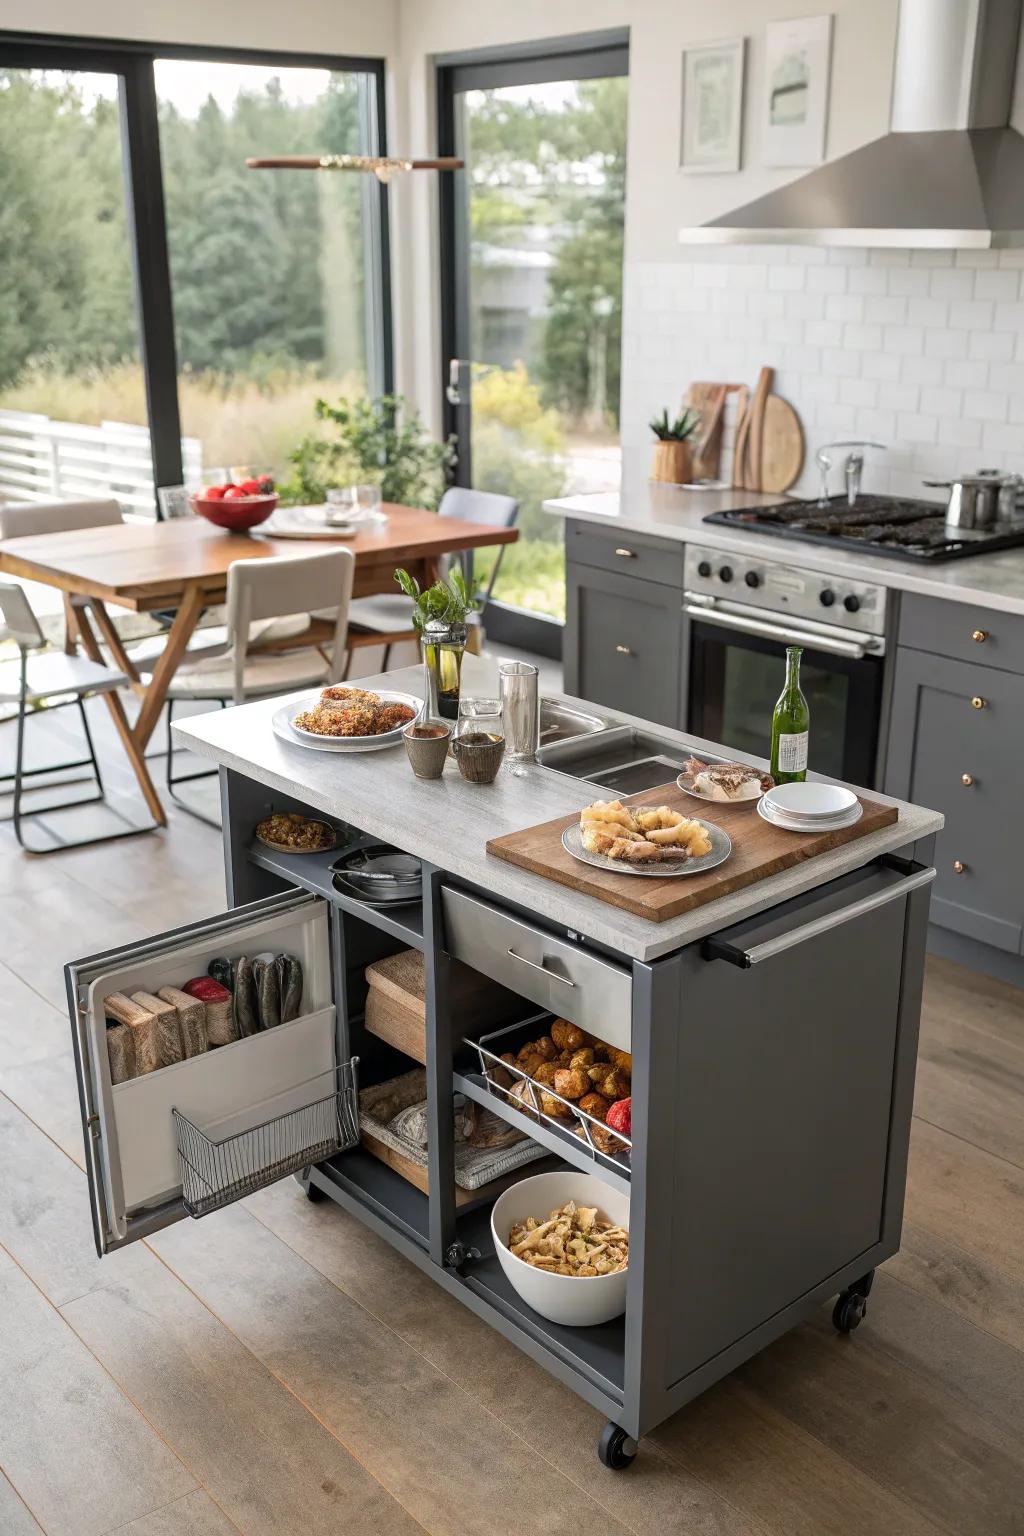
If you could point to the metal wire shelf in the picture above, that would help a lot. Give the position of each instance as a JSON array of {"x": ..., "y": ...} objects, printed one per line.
[
  {"x": 576, "y": 1122},
  {"x": 217, "y": 1173}
]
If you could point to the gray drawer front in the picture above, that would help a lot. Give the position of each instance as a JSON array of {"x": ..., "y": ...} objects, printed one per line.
[
  {"x": 937, "y": 737},
  {"x": 948, "y": 629},
  {"x": 591, "y": 992},
  {"x": 631, "y": 554},
  {"x": 623, "y": 644}
]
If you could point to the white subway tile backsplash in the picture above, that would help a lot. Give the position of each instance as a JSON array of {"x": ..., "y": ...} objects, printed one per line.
[{"x": 923, "y": 351}]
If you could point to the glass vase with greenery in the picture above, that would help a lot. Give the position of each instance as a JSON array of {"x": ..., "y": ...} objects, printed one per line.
[
  {"x": 439, "y": 616},
  {"x": 380, "y": 440}
]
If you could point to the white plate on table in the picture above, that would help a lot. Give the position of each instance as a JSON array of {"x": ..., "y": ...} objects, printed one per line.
[
  {"x": 818, "y": 824},
  {"x": 810, "y": 802},
  {"x": 282, "y": 722},
  {"x": 667, "y": 869}
]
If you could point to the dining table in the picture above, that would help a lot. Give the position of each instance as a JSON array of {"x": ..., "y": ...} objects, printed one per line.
[{"x": 182, "y": 566}]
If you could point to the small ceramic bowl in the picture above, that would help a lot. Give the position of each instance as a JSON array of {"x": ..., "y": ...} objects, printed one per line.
[
  {"x": 479, "y": 756},
  {"x": 426, "y": 746}
]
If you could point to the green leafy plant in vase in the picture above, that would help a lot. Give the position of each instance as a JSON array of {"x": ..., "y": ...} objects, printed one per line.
[
  {"x": 673, "y": 451},
  {"x": 439, "y": 615}
]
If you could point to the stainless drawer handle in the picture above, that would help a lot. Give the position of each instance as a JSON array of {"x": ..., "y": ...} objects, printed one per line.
[
  {"x": 551, "y": 975},
  {"x": 626, "y": 554},
  {"x": 717, "y": 949},
  {"x": 624, "y": 650}
]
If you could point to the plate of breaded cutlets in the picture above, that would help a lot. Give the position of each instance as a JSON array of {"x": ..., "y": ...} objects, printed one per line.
[
  {"x": 645, "y": 840},
  {"x": 343, "y": 719}
]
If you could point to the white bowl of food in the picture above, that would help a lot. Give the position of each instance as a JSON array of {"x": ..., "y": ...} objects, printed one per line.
[{"x": 578, "y": 1300}]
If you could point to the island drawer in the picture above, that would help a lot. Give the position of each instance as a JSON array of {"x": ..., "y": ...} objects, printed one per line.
[
  {"x": 591, "y": 992},
  {"x": 964, "y": 631},
  {"x": 632, "y": 554}
]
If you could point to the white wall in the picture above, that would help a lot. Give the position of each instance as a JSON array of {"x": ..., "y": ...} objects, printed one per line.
[{"x": 327, "y": 26}]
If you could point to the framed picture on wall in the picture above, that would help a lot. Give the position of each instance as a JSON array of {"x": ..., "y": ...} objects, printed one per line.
[
  {"x": 712, "y": 106},
  {"x": 798, "y": 57}
]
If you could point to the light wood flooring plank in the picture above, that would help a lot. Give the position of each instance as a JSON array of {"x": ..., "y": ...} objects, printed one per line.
[
  {"x": 47, "y": 1094},
  {"x": 934, "y": 1267},
  {"x": 450, "y": 1463},
  {"x": 16, "y": 1519},
  {"x": 762, "y": 1462},
  {"x": 80, "y": 1455},
  {"x": 55, "y": 918},
  {"x": 530, "y": 1402},
  {"x": 31, "y": 1028},
  {"x": 970, "y": 1075},
  {"x": 852, "y": 1396},
  {"x": 268, "y": 1463},
  {"x": 194, "y": 1515}
]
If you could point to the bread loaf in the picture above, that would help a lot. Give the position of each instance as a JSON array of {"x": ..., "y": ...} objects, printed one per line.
[
  {"x": 120, "y": 1051},
  {"x": 191, "y": 1019},
  {"x": 143, "y": 1025},
  {"x": 168, "y": 1028}
]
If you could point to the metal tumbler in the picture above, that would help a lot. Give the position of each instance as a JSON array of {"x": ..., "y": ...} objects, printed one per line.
[{"x": 520, "y": 709}]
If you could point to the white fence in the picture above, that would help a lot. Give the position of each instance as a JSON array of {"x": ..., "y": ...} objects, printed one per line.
[{"x": 44, "y": 460}]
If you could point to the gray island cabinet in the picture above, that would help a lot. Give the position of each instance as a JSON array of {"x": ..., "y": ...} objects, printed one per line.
[{"x": 773, "y": 1035}]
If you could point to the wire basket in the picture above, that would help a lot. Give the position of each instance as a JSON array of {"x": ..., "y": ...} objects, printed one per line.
[
  {"x": 217, "y": 1173},
  {"x": 576, "y": 1124}
]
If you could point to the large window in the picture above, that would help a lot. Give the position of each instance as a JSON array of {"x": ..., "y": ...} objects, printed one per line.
[{"x": 147, "y": 278}]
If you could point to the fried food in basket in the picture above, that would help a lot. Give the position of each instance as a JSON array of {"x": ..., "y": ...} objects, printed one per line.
[
  {"x": 568, "y": 1037},
  {"x": 595, "y": 1105},
  {"x": 571, "y": 1082},
  {"x": 290, "y": 830},
  {"x": 575, "y": 1240},
  {"x": 549, "y": 1105}
]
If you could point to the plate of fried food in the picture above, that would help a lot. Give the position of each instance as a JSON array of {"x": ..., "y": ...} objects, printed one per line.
[
  {"x": 645, "y": 840},
  {"x": 288, "y": 832},
  {"x": 726, "y": 783},
  {"x": 344, "y": 719}
]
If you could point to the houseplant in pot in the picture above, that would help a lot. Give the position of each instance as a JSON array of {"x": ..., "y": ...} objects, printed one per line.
[
  {"x": 673, "y": 451},
  {"x": 439, "y": 616}
]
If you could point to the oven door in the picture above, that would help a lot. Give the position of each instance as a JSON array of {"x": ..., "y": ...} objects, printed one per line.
[{"x": 736, "y": 671}]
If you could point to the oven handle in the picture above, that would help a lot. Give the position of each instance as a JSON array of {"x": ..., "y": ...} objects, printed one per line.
[
  {"x": 720, "y": 949},
  {"x": 788, "y": 635}
]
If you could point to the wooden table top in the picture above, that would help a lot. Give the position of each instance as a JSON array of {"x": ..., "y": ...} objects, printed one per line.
[{"x": 135, "y": 565}]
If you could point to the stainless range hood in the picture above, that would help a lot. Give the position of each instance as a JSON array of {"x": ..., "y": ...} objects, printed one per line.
[{"x": 949, "y": 173}]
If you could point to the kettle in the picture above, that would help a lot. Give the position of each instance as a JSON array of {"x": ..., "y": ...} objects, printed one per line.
[{"x": 981, "y": 500}]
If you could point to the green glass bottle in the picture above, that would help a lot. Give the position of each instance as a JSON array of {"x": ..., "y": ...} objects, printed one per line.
[{"x": 790, "y": 725}]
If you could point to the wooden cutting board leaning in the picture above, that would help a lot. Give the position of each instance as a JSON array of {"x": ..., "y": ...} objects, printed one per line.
[{"x": 758, "y": 851}]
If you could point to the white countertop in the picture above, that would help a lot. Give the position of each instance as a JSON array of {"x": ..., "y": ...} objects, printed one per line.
[
  {"x": 668, "y": 512},
  {"x": 448, "y": 822}
]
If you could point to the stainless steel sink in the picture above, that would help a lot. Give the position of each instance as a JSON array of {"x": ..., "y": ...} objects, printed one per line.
[
  {"x": 621, "y": 758},
  {"x": 560, "y": 722}
]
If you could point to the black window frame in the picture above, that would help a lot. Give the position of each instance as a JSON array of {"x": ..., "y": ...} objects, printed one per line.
[
  {"x": 586, "y": 56},
  {"x": 133, "y": 62}
]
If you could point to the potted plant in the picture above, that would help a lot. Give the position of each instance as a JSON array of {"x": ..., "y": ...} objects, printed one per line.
[
  {"x": 439, "y": 617},
  {"x": 673, "y": 452}
]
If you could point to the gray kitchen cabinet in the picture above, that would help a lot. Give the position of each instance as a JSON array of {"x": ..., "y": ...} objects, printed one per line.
[
  {"x": 623, "y": 643},
  {"x": 633, "y": 554},
  {"x": 956, "y": 741},
  {"x": 982, "y": 636}
]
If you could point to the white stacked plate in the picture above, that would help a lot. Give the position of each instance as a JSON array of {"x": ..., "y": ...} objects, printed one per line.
[{"x": 810, "y": 807}]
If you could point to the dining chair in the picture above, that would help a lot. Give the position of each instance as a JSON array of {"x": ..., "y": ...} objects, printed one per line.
[
  {"x": 32, "y": 683},
  {"x": 259, "y": 591},
  {"x": 384, "y": 619},
  {"x": 25, "y": 519}
]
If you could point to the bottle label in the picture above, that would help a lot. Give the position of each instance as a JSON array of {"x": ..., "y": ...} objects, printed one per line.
[{"x": 793, "y": 752}]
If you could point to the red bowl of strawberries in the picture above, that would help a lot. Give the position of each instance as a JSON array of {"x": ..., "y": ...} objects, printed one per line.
[{"x": 237, "y": 507}]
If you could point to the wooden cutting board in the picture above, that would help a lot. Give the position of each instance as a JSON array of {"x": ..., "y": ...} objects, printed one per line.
[
  {"x": 758, "y": 851},
  {"x": 782, "y": 445}
]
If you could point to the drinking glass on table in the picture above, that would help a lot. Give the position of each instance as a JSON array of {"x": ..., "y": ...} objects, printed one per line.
[
  {"x": 520, "y": 709},
  {"x": 479, "y": 742},
  {"x": 480, "y": 716}
]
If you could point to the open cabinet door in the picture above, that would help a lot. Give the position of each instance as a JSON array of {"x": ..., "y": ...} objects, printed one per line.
[{"x": 225, "y": 1121}]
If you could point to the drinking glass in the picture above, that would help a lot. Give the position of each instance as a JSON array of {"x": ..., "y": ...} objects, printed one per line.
[
  {"x": 520, "y": 709},
  {"x": 480, "y": 717}
]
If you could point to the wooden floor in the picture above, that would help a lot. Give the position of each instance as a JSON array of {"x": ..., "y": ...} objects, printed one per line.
[{"x": 277, "y": 1369}]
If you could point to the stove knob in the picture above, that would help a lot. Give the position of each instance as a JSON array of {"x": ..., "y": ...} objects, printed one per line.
[
  {"x": 851, "y": 603},
  {"x": 826, "y": 597},
  {"x": 752, "y": 579},
  {"x": 725, "y": 574},
  {"x": 704, "y": 569}
]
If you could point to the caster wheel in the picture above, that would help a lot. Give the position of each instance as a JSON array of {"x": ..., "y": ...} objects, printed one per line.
[
  {"x": 615, "y": 1448},
  {"x": 315, "y": 1193},
  {"x": 848, "y": 1311}
]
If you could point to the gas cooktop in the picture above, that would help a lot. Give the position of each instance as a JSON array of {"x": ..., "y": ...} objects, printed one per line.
[{"x": 875, "y": 525}]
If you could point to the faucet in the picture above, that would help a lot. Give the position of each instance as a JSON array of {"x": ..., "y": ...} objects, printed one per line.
[{"x": 853, "y": 466}]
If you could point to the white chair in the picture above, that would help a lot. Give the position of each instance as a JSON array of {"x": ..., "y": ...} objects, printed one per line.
[
  {"x": 258, "y": 591},
  {"x": 26, "y": 519},
  {"x": 34, "y": 680},
  {"x": 384, "y": 618}
]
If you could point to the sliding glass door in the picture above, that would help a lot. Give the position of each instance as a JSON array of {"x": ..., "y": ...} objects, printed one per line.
[
  {"x": 533, "y": 232},
  {"x": 164, "y": 310}
]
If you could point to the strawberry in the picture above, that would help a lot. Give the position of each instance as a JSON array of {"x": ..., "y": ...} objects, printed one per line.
[
  {"x": 213, "y": 493},
  {"x": 620, "y": 1117}
]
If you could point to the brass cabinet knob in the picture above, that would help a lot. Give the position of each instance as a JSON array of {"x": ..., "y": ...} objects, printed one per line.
[
  {"x": 978, "y": 702},
  {"x": 980, "y": 635},
  {"x": 967, "y": 779},
  {"x": 626, "y": 554},
  {"x": 624, "y": 650},
  {"x": 958, "y": 866}
]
